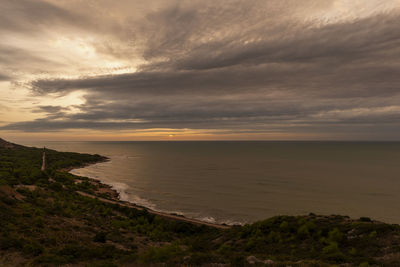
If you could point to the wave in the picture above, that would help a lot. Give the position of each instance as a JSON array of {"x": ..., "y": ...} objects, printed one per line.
[
  {"x": 121, "y": 188},
  {"x": 207, "y": 219},
  {"x": 210, "y": 219},
  {"x": 125, "y": 194},
  {"x": 232, "y": 223},
  {"x": 95, "y": 172},
  {"x": 135, "y": 199}
]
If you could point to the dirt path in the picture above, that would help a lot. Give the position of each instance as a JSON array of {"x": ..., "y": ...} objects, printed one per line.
[{"x": 162, "y": 214}]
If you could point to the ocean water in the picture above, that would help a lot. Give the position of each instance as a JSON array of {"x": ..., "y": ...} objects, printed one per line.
[{"x": 242, "y": 182}]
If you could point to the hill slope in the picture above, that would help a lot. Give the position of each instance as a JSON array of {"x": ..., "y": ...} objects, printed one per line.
[{"x": 5, "y": 144}]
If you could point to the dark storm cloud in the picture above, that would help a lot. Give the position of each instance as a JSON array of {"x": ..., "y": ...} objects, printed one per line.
[
  {"x": 4, "y": 77},
  {"x": 242, "y": 67},
  {"x": 49, "y": 109},
  {"x": 13, "y": 60},
  {"x": 29, "y": 15},
  {"x": 354, "y": 57},
  {"x": 285, "y": 42}
]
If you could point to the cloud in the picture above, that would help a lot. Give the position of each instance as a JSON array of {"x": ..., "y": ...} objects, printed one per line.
[
  {"x": 28, "y": 16},
  {"x": 300, "y": 56},
  {"x": 233, "y": 66},
  {"x": 4, "y": 77},
  {"x": 49, "y": 109}
]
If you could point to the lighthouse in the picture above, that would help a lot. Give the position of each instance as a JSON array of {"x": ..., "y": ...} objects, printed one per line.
[{"x": 44, "y": 159}]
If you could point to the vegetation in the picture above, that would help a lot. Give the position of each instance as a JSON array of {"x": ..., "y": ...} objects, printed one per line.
[{"x": 44, "y": 221}]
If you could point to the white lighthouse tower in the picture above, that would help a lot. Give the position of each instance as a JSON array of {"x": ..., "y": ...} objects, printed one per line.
[{"x": 44, "y": 159}]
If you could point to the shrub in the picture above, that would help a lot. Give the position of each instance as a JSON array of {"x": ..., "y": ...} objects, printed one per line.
[
  {"x": 372, "y": 234},
  {"x": 162, "y": 254},
  {"x": 100, "y": 237},
  {"x": 50, "y": 259},
  {"x": 331, "y": 248},
  {"x": 352, "y": 251},
  {"x": 303, "y": 231},
  {"x": 224, "y": 249},
  {"x": 38, "y": 221},
  {"x": 284, "y": 226},
  {"x": 32, "y": 248},
  {"x": 365, "y": 219},
  {"x": 335, "y": 235},
  {"x": 56, "y": 186},
  {"x": 8, "y": 241},
  {"x": 72, "y": 251}
]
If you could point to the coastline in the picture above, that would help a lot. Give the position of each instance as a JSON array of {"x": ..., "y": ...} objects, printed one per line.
[
  {"x": 113, "y": 196},
  {"x": 83, "y": 165},
  {"x": 65, "y": 219}
]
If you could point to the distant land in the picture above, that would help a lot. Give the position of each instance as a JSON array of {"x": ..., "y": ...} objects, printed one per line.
[{"x": 55, "y": 218}]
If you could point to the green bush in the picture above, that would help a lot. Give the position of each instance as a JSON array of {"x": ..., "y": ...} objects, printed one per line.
[
  {"x": 32, "y": 247},
  {"x": 372, "y": 234},
  {"x": 100, "y": 237},
  {"x": 161, "y": 254},
  {"x": 50, "y": 259},
  {"x": 56, "y": 186},
  {"x": 72, "y": 251},
  {"x": 365, "y": 219},
  {"x": 303, "y": 231},
  {"x": 335, "y": 235},
  {"x": 331, "y": 248},
  {"x": 284, "y": 226}
]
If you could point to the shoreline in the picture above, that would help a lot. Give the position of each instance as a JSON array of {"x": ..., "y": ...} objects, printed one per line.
[
  {"x": 83, "y": 165},
  {"x": 114, "y": 196}
]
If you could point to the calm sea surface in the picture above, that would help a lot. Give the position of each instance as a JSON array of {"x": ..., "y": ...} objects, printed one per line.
[{"x": 239, "y": 182}]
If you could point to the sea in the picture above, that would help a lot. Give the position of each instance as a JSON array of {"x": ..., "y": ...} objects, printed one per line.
[{"x": 239, "y": 182}]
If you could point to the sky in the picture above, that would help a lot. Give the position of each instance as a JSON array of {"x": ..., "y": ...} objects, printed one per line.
[{"x": 200, "y": 70}]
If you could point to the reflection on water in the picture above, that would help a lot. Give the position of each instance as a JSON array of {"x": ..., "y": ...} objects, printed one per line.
[{"x": 235, "y": 182}]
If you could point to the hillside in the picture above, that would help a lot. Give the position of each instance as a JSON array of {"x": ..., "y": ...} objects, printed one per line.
[
  {"x": 5, "y": 144},
  {"x": 54, "y": 218}
]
